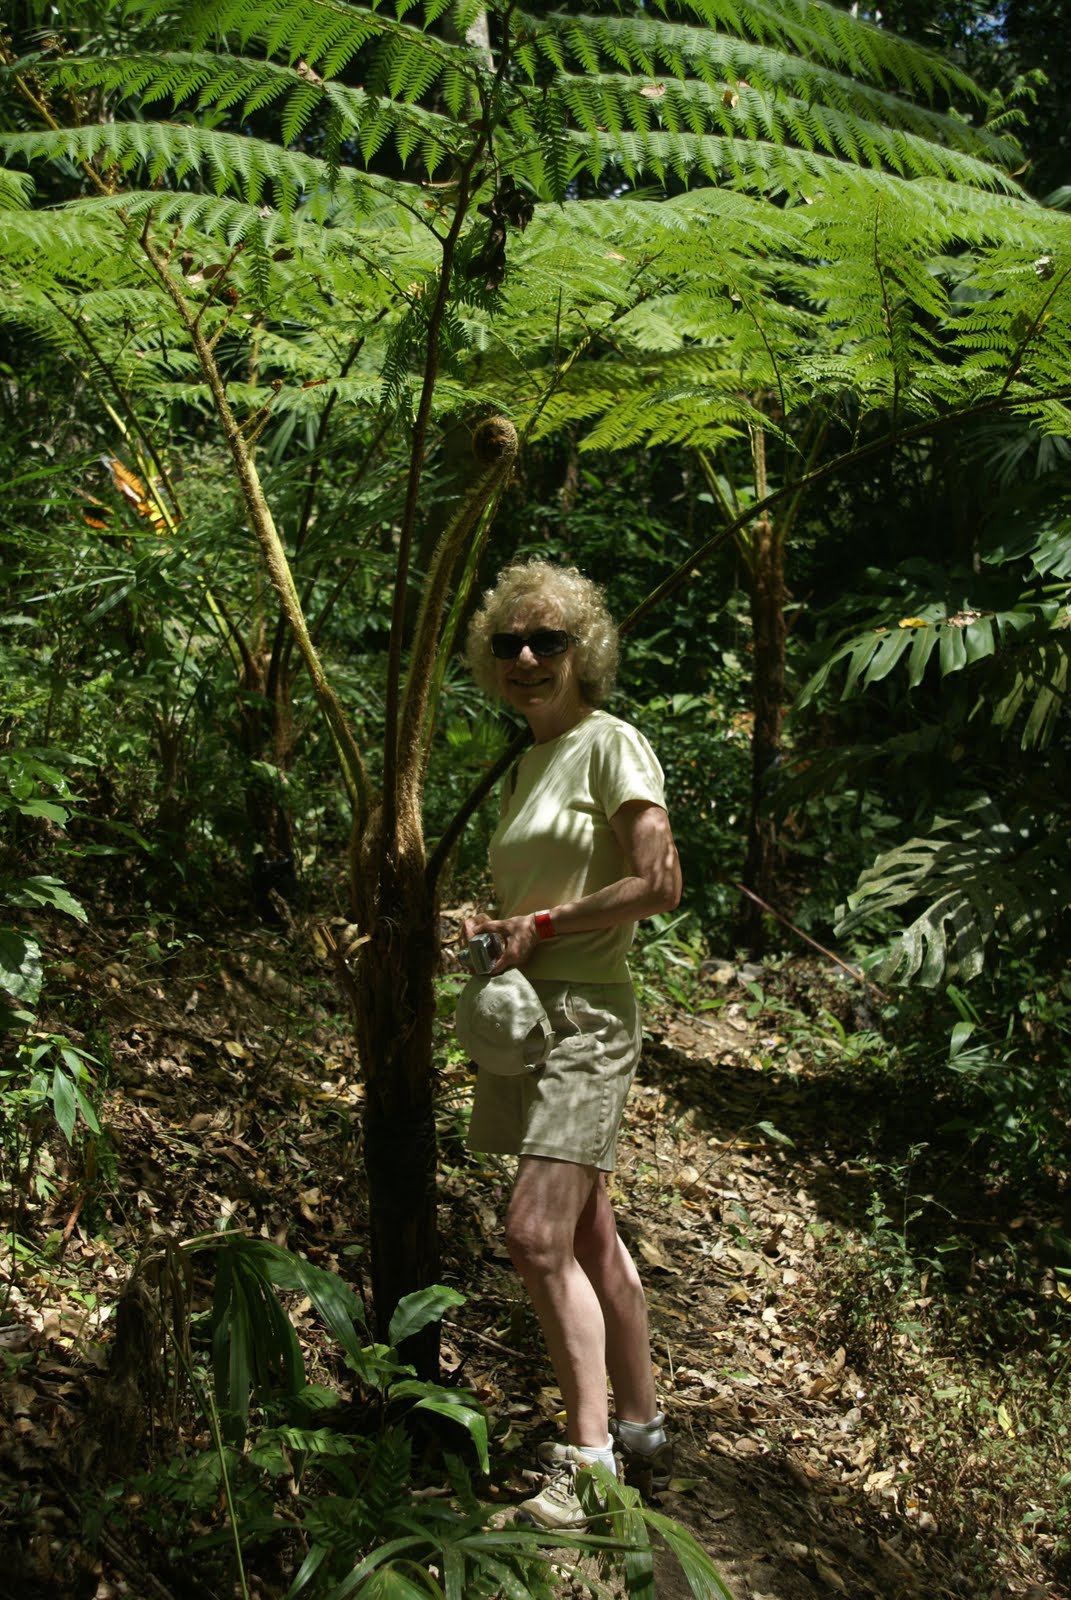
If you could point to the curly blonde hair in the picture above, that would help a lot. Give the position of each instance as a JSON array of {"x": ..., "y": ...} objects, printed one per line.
[{"x": 566, "y": 597}]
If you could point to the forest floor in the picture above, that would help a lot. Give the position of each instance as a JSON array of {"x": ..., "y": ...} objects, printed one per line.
[{"x": 806, "y": 1447}]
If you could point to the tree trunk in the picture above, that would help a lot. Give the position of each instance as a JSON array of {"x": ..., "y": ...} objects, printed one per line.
[
  {"x": 767, "y": 575},
  {"x": 394, "y": 1004}
]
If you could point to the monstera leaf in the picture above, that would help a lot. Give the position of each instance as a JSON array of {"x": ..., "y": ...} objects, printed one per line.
[{"x": 978, "y": 876}]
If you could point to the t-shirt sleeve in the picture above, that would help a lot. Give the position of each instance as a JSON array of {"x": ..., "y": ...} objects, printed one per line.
[{"x": 626, "y": 768}]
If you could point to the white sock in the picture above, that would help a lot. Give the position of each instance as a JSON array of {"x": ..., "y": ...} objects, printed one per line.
[
  {"x": 643, "y": 1437},
  {"x": 604, "y": 1455}
]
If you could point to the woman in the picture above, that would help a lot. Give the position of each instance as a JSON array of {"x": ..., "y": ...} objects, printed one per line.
[{"x": 582, "y": 851}]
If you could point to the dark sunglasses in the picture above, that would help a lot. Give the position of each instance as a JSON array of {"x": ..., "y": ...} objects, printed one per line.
[{"x": 543, "y": 642}]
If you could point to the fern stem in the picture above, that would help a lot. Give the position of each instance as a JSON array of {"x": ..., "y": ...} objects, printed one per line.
[
  {"x": 1038, "y": 322},
  {"x": 822, "y": 421},
  {"x": 232, "y": 1513},
  {"x": 418, "y": 446},
  {"x": 889, "y": 323},
  {"x": 36, "y": 103},
  {"x": 471, "y": 803},
  {"x": 351, "y": 761},
  {"x": 283, "y": 642},
  {"x": 487, "y": 96},
  {"x": 481, "y": 498},
  {"x": 217, "y": 284}
]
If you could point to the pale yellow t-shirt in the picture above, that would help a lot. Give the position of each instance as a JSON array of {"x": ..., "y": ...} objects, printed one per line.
[{"x": 554, "y": 842}]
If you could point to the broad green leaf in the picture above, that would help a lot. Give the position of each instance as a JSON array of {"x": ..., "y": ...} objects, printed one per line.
[
  {"x": 21, "y": 974},
  {"x": 308, "y": 1570},
  {"x": 453, "y": 1568},
  {"x": 775, "y": 1134},
  {"x": 396, "y": 1583},
  {"x": 961, "y": 1032},
  {"x": 953, "y": 649},
  {"x": 980, "y": 638},
  {"x": 975, "y": 875},
  {"x": 507, "y": 1584},
  {"x": 64, "y": 1103},
  {"x": 359, "y": 1578},
  {"x": 416, "y": 1311},
  {"x": 474, "y": 1422},
  {"x": 629, "y": 1524},
  {"x": 232, "y": 1356},
  {"x": 922, "y": 647},
  {"x": 315, "y": 1441},
  {"x": 46, "y": 892},
  {"x": 887, "y": 654},
  {"x": 85, "y": 1106},
  {"x": 334, "y": 1300},
  {"x": 703, "y": 1577},
  {"x": 44, "y": 808},
  {"x": 76, "y": 1060}
]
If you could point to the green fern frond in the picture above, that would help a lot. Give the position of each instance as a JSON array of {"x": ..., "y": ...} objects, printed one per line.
[
  {"x": 554, "y": 149},
  {"x": 299, "y": 111},
  {"x": 834, "y": 119},
  {"x": 16, "y": 189},
  {"x": 828, "y": 63},
  {"x": 826, "y": 33},
  {"x": 202, "y": 80},
  {"x": 404, "y": 61},
  {"x": 771, "y": 167},
  {"x": 251, "y": 168},
  {"x": 1050, "y": 418}
]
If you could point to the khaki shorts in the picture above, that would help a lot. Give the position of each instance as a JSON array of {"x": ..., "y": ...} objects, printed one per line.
[{"x": 570, "y": 1107}]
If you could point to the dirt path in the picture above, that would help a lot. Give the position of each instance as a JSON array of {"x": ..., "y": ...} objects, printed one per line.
[
  {"x": 233, "y": 1092},
  {"x": 728, "y": 1193}
]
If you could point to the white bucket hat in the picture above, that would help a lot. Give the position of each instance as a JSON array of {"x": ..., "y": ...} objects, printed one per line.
[{"x": 501, "y": 1022}]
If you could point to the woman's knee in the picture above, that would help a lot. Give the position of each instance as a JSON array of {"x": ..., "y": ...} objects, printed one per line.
[
  {"x": 534, "y": 1245},
  {"x": 547, "y": 1200}
]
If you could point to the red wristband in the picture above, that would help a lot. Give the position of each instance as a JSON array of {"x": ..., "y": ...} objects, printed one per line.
[{"x": 543, "y": 925}]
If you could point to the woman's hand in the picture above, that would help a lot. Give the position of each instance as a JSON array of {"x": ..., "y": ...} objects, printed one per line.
[{"x": 517, "y": 938}]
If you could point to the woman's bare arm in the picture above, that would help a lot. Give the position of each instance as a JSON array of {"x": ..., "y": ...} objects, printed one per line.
[{"x": 651, "y": 883}]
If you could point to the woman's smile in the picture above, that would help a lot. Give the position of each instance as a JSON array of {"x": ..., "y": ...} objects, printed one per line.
[{"x": 545, "y": 689}]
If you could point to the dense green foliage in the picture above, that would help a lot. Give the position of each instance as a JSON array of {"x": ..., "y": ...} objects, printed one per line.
[{"x": 265, "y": 276}]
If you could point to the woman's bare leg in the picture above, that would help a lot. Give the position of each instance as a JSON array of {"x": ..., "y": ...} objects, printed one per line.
[
  {"x": 549, "y": 1199},
  {"x": 612, "y": 1273}
]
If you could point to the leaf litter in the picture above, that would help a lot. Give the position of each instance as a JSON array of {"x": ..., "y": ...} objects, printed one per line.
[{"x": 234, "y": 1093}]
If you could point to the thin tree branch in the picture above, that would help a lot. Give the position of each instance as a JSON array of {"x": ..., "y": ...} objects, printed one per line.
[
  {"x": 853, "y": 972},
  {"x": 1038, "y": 322},
  {"x": 408, "y": 525}
]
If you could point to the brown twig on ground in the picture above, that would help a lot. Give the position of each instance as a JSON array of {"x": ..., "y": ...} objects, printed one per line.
[{"x": 72, "y": 1220}]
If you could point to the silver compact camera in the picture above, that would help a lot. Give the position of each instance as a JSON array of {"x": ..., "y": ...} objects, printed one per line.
[{"x": 482, "y": 952}]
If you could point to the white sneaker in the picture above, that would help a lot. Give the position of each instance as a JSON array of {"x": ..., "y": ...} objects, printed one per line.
[
  {"x": 647, "y": 1471},
  {"x": 558, "y": 1505}
]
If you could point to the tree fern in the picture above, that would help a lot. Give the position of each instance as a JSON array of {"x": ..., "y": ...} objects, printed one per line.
[{"x": 326, "y": 245}]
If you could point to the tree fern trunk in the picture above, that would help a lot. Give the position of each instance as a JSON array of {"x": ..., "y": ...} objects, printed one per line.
[
  {"x": 394, "y": 1006},
  {"x": 767, "y": 585}
]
